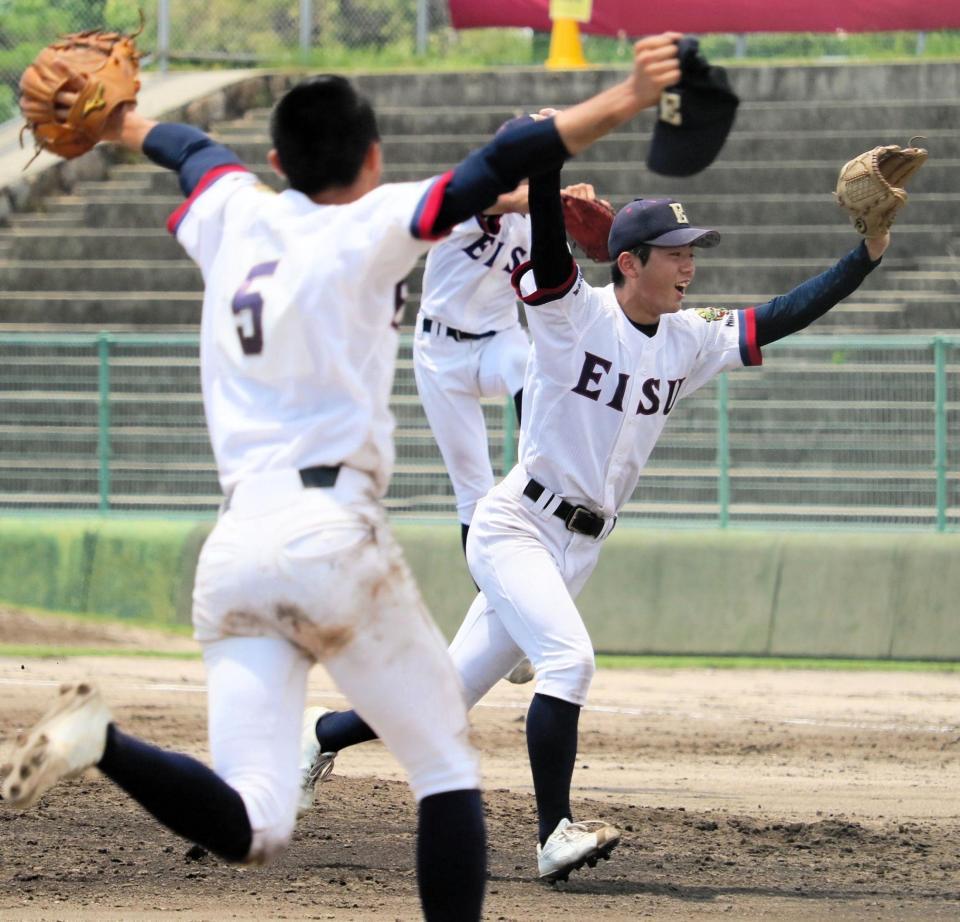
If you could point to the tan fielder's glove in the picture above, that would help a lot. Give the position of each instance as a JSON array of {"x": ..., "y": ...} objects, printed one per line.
[
  {"x": 870, "y": 187},
  {"x": 107, "y": 64}
]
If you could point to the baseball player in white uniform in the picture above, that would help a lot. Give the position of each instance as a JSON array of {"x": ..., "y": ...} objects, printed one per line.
[
  {"x": 607, "y": 367},
  {"x": 298, "y": 344},
  {"x": 469, "y": 343}
]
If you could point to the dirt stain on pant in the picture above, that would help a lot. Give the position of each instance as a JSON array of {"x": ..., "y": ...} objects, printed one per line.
[
  {"x": 291, "y": 622},
  {"x": 322, "y": 641}
]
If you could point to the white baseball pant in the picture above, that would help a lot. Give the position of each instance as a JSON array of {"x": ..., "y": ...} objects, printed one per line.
[
  {"x": 529, "y": 568},
  {"x": 451, "y": 378},
  {"x": 292, "y": 575}
]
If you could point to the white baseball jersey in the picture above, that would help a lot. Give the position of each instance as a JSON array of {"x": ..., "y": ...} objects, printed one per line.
[
  {"x": 287, "y": 380},
  {"x": 466, "y": 282},
  {"x": 598, "y": 391}
]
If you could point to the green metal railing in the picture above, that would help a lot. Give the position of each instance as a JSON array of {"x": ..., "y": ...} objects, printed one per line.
[{"x": 832, "y": 430}]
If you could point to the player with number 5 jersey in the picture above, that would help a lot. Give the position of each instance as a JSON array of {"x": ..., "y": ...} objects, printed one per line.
[{"x": 298, "y": 344}]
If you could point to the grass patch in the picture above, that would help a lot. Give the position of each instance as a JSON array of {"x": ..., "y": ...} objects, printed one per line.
[
  {"x": 42, "y": 651},
  {"x": 79, "y": 618},
  {"x": 615, "y": 661}
]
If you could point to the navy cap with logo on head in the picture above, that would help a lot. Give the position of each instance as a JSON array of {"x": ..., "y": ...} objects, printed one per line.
[
  {"x": 658, "y": 222},
  {"x": 695, "y": 116}
]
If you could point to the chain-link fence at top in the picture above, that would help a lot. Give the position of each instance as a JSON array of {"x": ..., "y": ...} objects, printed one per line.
[{"x": 343, "y": 34}]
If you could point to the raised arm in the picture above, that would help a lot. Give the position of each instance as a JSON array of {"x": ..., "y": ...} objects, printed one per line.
[
  {"x": 188, "y": 151},
  {"x": 527, "y": 150},
  {"x": 655, "y": 67},
  {"x": 549, "y": 253},
  {"x": 797, "y": 309}
]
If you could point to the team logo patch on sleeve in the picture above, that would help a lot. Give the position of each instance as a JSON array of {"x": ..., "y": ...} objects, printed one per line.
[{"x": 712, "y": 313}]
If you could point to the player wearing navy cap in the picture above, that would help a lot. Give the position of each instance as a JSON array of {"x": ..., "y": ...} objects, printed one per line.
[
  {"x": 608, "y": 367},
  {"x": 298, "y": 346}
]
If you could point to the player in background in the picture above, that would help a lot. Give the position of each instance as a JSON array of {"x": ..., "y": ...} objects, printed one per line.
[
  {"x": 607, "y": 367},
  {"x": 298, "y": 346},
  {"x": 469, "y": 343}
]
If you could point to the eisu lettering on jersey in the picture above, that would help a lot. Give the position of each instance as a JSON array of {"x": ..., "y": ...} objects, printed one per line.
[
  {"x": 595, "y": 369},
  {"x": 478, "y": 247}
]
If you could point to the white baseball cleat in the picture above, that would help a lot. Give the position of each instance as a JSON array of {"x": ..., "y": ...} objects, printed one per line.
[
  {"x": 572, "y": 845},
  {"x": 315, "y": 765},
  {"x": 67, "y": 740},
  {"x": 522, "y": 673}
]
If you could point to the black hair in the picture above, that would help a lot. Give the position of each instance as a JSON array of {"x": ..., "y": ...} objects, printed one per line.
[
  {"x": 641, "y": 251},
  {"x": 322, "y": 130}
]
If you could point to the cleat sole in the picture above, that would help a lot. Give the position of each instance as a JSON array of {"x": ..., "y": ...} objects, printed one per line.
[{"x": 563, "y": 874}]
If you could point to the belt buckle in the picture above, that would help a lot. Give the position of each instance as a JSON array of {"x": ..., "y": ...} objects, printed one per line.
[
  {"x": 580, "y": 519},
  {"x": 454, "y": 334}
]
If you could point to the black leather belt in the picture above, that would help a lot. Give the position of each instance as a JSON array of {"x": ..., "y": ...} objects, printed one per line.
[
  {"x": 458, "y": 335},
  {"x": 320, "y": 476},
  {"x": 577, "y": 518}
]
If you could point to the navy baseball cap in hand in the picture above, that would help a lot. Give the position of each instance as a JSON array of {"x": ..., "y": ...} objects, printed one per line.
[
  {"x": 658, "y": 222},
  {"x": 695, "y": 116}
]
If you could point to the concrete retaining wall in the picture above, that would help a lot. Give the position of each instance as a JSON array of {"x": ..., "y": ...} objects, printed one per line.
[{"x": 752, "y": 593}]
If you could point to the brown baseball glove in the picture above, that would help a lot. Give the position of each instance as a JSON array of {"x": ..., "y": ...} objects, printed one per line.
[
  {"x": 870, "y": 187},
  {"x": 588, "y": 224},
  {"x": 101, "y": 67}
]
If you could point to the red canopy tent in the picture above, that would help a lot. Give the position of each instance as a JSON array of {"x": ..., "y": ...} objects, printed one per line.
[{"x": 636, "y": 17}]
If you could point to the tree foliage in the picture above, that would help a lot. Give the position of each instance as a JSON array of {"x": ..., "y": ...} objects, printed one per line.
[{"x": 373, "y": 33}]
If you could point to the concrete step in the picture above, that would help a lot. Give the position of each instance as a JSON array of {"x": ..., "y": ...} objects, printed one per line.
[
  {"x": 506, "y": 86},
  {"x": 169, "y": 311},
  {"x": 923, "y": 280},
  {"x": 65, "y": 220},
  {"x": 730, "y": 276},
  {"x": 620, "y": 182},
  {"x": 706, "y": 208},
  {"x": 53, "y": 245},
  {"x": 131, "y": 185},
  {"x": 834, "y": 146},
  {"x": 107, "y": 310},
  {"x": 863, "y": 118},
  {"x": 616, "y": 178},
  {"x": 625, "y": 176},
  {"x": 809, "y": 241},
  {"x": 104, "y": 275}
]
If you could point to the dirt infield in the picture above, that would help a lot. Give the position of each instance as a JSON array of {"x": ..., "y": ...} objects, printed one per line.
[{"x": 743, "y": 795}]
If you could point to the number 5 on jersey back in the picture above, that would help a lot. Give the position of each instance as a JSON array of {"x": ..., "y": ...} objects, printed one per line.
[{"x": 250, "y": 325}]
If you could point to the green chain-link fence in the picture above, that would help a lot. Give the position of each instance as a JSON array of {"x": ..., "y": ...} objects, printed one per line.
[{"x": 831, "y": 431}]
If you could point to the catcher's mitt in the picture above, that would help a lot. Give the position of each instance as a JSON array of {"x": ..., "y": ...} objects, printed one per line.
[
  {"x": 102, "y": 67},
  {"x": 870, "y": 187},
  {"x": 588, "y": 225}
]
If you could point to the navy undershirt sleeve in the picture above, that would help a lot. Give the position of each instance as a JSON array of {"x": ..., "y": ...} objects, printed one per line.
[
  {"x": 497, "y": 167},
  {"x": 549, "y": 253},
  {"x": 188, "y": 151},
  {"x": 797, "y": 309}
]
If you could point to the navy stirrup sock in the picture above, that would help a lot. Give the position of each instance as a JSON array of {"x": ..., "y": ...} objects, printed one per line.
[
  {"x": 452, "y": 856},
  {"x": 340, "y": 729},
  {"x": 182, "y": 793},
  {"x": 552, "y": 747}
]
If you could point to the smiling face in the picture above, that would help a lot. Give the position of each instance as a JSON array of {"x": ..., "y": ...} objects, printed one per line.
[{"x": 657, "y": 288}]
